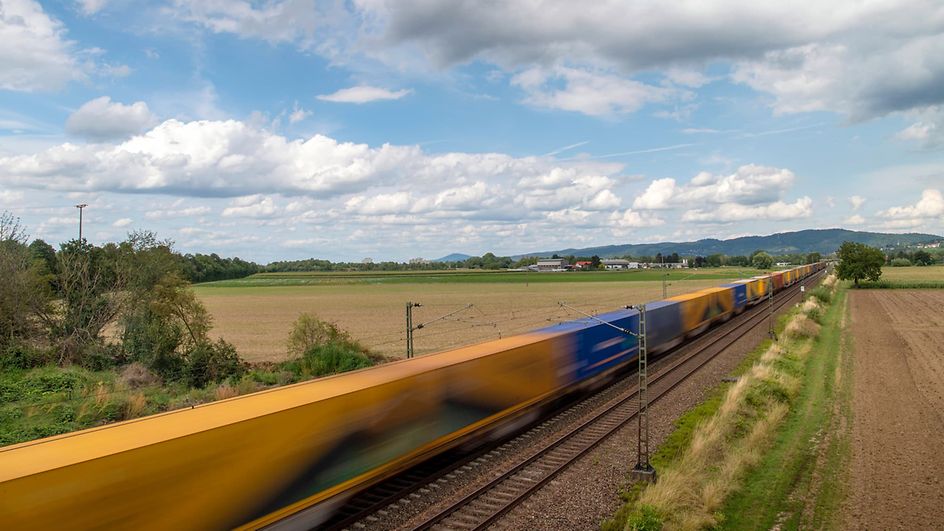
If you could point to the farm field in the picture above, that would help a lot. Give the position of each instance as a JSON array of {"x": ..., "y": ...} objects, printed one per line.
[
  {"x": 477, "y": 276},
  {"x": 257, "y": 318},
  {"x": 913, "y": 273},
  {"x": 897, "y": 458}
]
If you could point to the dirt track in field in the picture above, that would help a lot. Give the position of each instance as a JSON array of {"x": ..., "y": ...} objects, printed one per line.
[
  {"x": 258, "y": 320},
  {"x": 897, "y": 461}
]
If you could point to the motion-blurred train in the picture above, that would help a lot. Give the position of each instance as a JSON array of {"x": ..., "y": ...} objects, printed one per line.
[{"x": 289, "y": 456}]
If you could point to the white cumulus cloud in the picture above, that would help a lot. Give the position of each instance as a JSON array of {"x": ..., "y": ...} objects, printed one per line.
[
  {"x": 253, "y": 206},
  {"x": 930, "y": 206},
  {"x": 103, "y": 119},
  {"x": 856, "y": 201},
  {"x": 734, "y": 212},
  {"x": 587, "y": 92},
  {"x": 298, "y": 114},
  {"x": 633, "y": 219},
  {"x": 750, "y": 184},
  {"x": 364, "y": 94},
  {"x": 35, "y": 54}
]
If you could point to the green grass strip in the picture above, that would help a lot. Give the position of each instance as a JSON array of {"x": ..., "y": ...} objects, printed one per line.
[{"x": 798, "y": 483}]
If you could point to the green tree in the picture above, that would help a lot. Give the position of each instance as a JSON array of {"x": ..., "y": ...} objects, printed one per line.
[
  {"x": 812, "y": 258},
  {"x": 595, "y": 262},
  {"x": 24, "y": 291},
  {"x": 858, "y": 261},
  {"x": 44, "y": 253},
  {"x": 762, "y": 260},
  {"x": 922, "y": 258}
]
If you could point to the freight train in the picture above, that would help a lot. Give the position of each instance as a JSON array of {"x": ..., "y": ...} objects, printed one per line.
[{"x": 289, "y": 456}]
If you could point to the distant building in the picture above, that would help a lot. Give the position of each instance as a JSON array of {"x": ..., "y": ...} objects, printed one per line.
[
  {"x": 666, "y": 265},
  {"x": 617, "y": 263},
  {"x": 782, "y": 264},
  {"x": 583, "y": 264},
  {"x": 552, "y": 264}
]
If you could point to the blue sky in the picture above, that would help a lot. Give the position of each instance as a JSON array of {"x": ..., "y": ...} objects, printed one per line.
[{"x": 392, "y": 130}]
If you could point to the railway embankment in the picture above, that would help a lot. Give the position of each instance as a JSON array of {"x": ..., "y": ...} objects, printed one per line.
[{"x": 746, "y": 456}]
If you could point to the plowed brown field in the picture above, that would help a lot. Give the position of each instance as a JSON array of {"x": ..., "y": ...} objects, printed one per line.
[
  {"x": 258, "y": 320},
  {"x": 897, "y": 468}
]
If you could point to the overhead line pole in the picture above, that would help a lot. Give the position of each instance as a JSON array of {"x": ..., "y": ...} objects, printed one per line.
[
  {"x": 409, "y": 327},
  {"x": 643, "y": 471}
]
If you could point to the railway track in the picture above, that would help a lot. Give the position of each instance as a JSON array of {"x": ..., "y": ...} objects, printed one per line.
[{"x": 489, "y": 502}]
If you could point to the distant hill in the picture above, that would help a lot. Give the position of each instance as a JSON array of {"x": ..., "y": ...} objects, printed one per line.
[
  {"x": 805, "y": 241},
  {"x": 454, "y": 257}
]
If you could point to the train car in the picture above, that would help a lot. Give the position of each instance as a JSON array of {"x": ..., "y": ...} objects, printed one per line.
[
  {"x": 700, "y": 309},
  {"x": 740, "y": 294},
  {"x": 601, "y": 343},
  {"x": 776, "y": 279},
  {"x": 757, "y": 289},
  {"x": 664, "y": 328}
]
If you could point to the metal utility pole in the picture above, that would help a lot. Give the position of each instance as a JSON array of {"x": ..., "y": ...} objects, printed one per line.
[
  {"x": 665, "y": 278},
  {"x": 80, "y": 207},
  {"x": 643, "y": 471},
  {"x": 409, "y": 327},
  {"x": 770, "y": 309}
]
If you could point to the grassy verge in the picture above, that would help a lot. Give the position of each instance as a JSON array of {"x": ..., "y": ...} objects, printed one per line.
[
  {"x": 799, "y": 482},
  {"x": 717, "y": 448}
]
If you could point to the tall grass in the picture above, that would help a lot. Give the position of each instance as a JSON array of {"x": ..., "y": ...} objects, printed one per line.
[{"x": 722, "y": 446}]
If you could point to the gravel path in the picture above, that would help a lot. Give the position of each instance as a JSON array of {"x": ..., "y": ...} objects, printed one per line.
[{"x": 897, "y": 462}]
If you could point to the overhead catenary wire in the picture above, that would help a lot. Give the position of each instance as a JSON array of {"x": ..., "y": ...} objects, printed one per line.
[{"x": 601, "y": 321}]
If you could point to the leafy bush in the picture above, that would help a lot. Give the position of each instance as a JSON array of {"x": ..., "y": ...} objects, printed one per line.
[
  {"x": 18, "y": 355},
  {"x": 212, "y": 362},
  {"x": 309, "y": 332},
  {"x": 900, "y": 262},
  {"x": 153, "y": 341},
  {"x": 823, "y": 294},
  {"x": 100, "y": 356},
  {"x": 329, "y": 359}
]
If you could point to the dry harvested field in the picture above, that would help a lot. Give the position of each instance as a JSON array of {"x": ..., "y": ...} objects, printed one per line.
[
  {"x": 258, "y": 319},
  {"x": 897, "y": 461}
]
